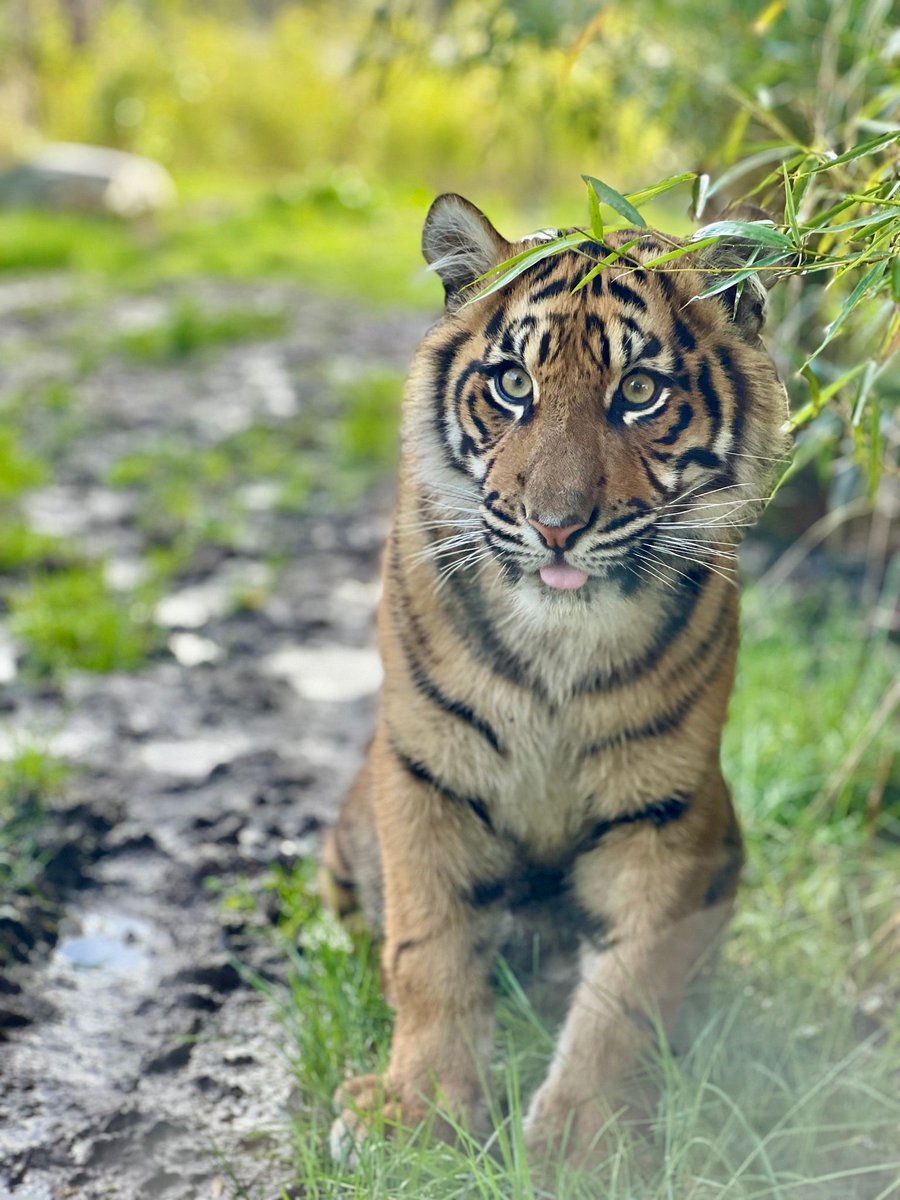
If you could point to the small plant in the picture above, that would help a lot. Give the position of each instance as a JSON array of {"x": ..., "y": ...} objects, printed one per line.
[
  {"x": 27, "y": 779},
  {"x": 70, "y": 619},
  {"x": 188, "y": 329}
]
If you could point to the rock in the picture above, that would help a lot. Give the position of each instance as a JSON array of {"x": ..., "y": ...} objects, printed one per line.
[{"x": 68, "y": 177}]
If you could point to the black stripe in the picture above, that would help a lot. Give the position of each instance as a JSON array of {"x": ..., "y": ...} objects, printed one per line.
[
  {"x": 544, "y": 348},
  {"x": 685, "y": 416},
  {"x": 666, "y": 722},
  {"x": 652, "y": 347},
  {"x": 498, "y": 513},
  {"x": 491, "y": 650},
  {"x": 493, "y": 326},
  {"x": 444, "y": 359},
  {"x": 741, "y": 394},
  {"x": 419, "y": 771},
  {"x": 665, "y": 283},
  {"x": 675, "y": 623},
  {"x": 483, "y": 433},
  {"x": 658, "y": 813},
  {"x": 506, "y": 537},
  {"x": 651, "y": 477},
  {"x": 700, "y": 457},
  {"x": 454, "y": 708},
  {"x": 627, "y": 295},
  {"x": 552, "y": 289},
  {"x": 713, "y": 405},
  {"x": 683, "y": 336},
  {"x": 420, "y": 677}
]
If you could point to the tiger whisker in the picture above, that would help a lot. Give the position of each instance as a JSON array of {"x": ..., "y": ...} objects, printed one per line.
[{"x": 723, "y": 574}]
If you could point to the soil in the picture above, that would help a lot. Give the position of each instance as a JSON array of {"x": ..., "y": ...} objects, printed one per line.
[{"x": 138, "y": 1056}]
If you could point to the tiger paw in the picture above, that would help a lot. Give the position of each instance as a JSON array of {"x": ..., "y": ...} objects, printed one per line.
[{"x": 366, "y": 1105}]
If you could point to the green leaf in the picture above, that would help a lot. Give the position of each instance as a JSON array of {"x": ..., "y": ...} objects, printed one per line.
[
  {"x": 746, "y": 165},
  {"x": 615, "y": 200},
  {"x": 862, "y": 395},
  {"x": 605, "y": 262},
  {"x": 752, "y": 231},
  {"x": 595, "y": 215},
  {"x": 820, "y": 395},
  {"x": 870, "y": 280},
  {"x": 729, "y": 281},
  {"x": 504, "y": 273},
  {"x": 657, "y": 189},
  {"x": 859, "y": 151},
  {"x": 680, "y": 251},
  {"x": 790, "y": 207}
]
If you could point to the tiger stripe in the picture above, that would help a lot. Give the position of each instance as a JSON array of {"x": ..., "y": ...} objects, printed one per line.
[{"x": 559, "y": 631}]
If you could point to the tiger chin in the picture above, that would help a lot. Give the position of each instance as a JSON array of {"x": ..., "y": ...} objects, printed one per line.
[{"x": 558, "y": 625}]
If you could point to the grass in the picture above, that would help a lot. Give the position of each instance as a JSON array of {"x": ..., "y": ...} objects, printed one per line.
[
  {"x": 785, "y": 1086},
  {"x": 371, "y": 255},
  {"x": 27, "y": 780},
  {"x": 325, "y": 456},
  {"x": 187, "y": 330},
  {"x": 69, "y": 619}
]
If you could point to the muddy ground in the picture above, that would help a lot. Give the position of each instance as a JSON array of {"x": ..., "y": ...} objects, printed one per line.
[{"x": 137, "y": 1058}]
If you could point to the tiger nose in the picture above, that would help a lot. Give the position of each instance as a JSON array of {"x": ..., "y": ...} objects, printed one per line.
[{"x": 556, "y": 536}]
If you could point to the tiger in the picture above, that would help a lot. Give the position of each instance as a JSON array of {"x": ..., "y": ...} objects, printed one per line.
[{"x": 558, "y": 628}]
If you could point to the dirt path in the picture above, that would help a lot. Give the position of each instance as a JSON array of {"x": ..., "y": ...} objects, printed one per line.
[{"x": 138, "y": 1061}]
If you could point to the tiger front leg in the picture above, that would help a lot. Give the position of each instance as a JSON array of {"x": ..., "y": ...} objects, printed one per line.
[
  {"x": 435, "y": 966},
  {"x": 625, "y": 994}
]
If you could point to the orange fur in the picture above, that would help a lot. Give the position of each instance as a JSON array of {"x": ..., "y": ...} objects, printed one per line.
[{"x": 557, "y": 750}]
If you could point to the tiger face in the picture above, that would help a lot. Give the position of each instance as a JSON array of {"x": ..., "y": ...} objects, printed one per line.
[{"x": 604, "y": 433}]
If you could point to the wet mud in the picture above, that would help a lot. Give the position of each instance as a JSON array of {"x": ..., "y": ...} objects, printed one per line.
[{"x": 138, "y": 1055}]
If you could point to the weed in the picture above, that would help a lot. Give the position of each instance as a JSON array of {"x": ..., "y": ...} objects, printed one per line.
[
  {"x": 27, "y": 779},
  {"x": 19, "y": 470},
  {"x": 21, "y": 548},
  {"x": 70, "y": 619},
  {"x": 188, "y": 329}
]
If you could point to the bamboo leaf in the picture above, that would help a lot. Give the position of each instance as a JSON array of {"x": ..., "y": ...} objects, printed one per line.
[
  {"x": 699, "y": 192},
  {"x": 820, "y": 395},
  {"x": 504, "y": 273},
  {"x": 596, "y": 217},
  {"x": 615, "y": 200},
  {"x": 604, "y": 263},
  {"x": 746, "y": 165},
  {"x": 657, "y": 189},
  {"x": 870, "y": 280},
  {"x": 753, "y": 231},
  {"x": 858, "y": 151}
]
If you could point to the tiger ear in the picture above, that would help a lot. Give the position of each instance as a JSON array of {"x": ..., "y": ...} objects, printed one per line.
[
  {"x": 460, "y": 244},
  {"x": 746, "y": 302}
]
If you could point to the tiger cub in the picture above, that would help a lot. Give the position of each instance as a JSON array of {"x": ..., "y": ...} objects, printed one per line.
[{"x": 558, "y": 627}]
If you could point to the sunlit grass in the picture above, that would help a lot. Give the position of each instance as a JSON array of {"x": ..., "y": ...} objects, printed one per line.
[
  {"x": 782, "y": 1083},
  {"x": 371, "y": 255}
]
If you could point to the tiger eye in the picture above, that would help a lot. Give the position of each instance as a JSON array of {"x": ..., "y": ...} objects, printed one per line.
[
  {"x": 638, "y": 388},
  {"x": 515, "y": 383}
]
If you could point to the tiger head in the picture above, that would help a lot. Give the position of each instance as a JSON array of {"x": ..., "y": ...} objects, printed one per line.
[{"x": 583, "y": 432}]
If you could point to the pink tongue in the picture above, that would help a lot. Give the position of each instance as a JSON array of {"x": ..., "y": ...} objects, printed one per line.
[{"x": 564, "y": 577}]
